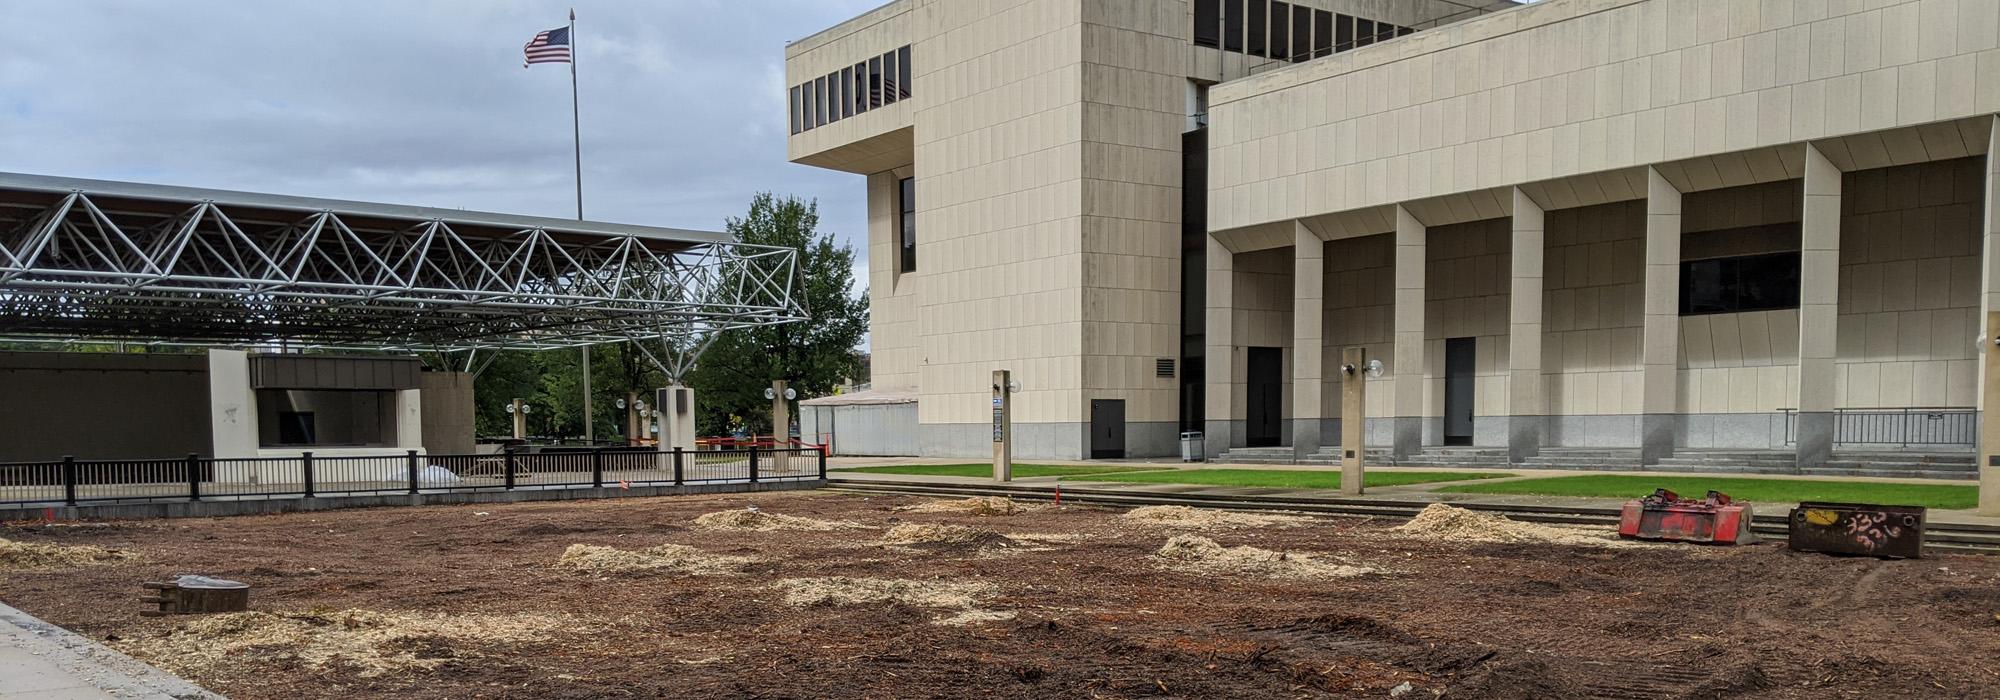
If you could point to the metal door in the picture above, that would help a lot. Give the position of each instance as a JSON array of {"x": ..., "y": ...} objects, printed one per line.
[
  {"x": 1460, "y": 362},
  {"x": 1264, "y": 394},
  {"x": 1107, "y": 428}
]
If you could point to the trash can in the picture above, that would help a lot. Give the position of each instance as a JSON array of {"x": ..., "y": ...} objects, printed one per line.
[{"x": 1193, "y": 448}]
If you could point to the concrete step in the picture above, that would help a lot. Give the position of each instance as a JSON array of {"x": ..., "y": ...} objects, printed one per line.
[{"x": 1893, "y": 473}]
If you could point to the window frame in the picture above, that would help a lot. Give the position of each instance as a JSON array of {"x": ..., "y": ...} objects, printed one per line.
[
  {"x": 903, "y": 73},
  {"x": 1322, "y": 33},
  {"x": 1343, "y": 33},
  {"x": 1364, "y": 32},
  {"x": 906, "y": 224},
  {"x": 1214, "y": 38},
  {"x": 875, "y": 82},
  {"x": 819, "y": 101},
  {"x": 1232, "y": 25},
  {"x": 1301, "y": 34},
  {"x": 793, "y": 112}
]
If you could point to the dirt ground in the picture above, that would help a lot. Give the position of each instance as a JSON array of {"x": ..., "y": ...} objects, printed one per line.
[{"x": 469, "y": 601}]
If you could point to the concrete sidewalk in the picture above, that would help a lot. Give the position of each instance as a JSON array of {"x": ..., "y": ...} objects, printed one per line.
[
  {"x": 45, "y": 662},
  {"x": 1424, "y": 493}
]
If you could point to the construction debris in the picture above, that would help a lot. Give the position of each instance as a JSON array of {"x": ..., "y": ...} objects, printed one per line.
[
  {"x": 925, "y": 533},
  {"x": 759, "y": 521},
  {"x": 1195, "y": 554},
  {"x": 1453, "y": 524},
  {"x": 28, "y": 556},
  {"x": 1183, "y": 516},
  {"x": 372, "y": 642},
  {"x": 664, "y": 558}
]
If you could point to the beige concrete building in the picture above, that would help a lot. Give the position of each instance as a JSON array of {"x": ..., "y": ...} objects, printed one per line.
[{"x": 1595, "y": 231}]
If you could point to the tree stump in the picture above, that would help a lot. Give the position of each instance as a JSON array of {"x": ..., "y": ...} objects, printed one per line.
[{"x": 196, "y": 594}]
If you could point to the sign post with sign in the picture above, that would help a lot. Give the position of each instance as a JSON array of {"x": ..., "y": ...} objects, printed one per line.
[{"x": 1003, "y": 426}]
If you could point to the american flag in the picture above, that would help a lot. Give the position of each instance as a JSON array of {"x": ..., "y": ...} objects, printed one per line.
[{"x": 551, "y": 46}]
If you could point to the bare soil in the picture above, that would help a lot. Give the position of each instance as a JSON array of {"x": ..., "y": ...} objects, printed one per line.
[{"x": 440, "y": 602}]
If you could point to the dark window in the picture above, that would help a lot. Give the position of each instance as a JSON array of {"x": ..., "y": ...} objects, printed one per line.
[
  {"x": 1208, "y": 23},
  {"x": 1232, "y": 25},
  {"x": 860, "y": 87},
  {"x": 1301, "y": 33},
  {"x": 1258, "y": 25},
  {"x": 1322, "y": 33},
  {"x": 1281, "y": 30},
  {"x": 906, "y": 198},
  {"x": 1385, "y": 31},
  {"x": 889, "y": 77},
  {"x": 875, "y": 82},
  {"x": 1364, "y": 32},
  {"x": 903, "y": 73},
  {"x": 1405, "y": 31},
  {"x": 297, "y": 428},
  {"x": 1343, "y": 34},
  {"x": 792, "y": 114},
  {"x": 819, "y": 101},
  {"x": 839, "y": 107},
  {"x": 1743, "y": 283}
]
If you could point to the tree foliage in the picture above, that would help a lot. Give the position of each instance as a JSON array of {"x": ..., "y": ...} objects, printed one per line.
[{"x": 812, "y": 356}]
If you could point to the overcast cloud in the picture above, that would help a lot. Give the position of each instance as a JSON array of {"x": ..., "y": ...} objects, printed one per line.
[{"x": 420, "y": 102}]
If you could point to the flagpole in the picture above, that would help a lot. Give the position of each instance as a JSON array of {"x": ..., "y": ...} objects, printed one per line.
[{"x": 576, "y": 135}]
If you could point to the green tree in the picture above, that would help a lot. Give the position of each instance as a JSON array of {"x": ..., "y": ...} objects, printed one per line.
[{"x": 812, "y": 356}]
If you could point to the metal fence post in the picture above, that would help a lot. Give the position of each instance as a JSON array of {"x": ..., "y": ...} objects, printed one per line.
[
  {"x": 753, "y": 464},
  {"x": 510, "y": 470},
  {"x": 412, "y": 463},
  {"x": 69, "y": 479},
  {"x": 597, "y": 467},
  {"x": 306, "y": 459},
  {"x": 678, "y": 480},
  {"x": 194, "y": 476},
  {"x": 822, "y": 463}
]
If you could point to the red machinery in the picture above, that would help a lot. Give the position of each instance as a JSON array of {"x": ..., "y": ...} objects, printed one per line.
[{"x": 1666, "y": 516}]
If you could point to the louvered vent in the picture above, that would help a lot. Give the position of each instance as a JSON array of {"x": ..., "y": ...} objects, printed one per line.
[{"x": 1164, "y": 368}]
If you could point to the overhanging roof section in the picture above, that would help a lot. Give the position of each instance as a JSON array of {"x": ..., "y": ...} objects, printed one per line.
[{"x": 89, "y": 260}]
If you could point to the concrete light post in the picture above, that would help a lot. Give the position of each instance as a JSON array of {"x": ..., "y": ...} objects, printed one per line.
[
  {"x": 781, "y": 413},
  {"x": 1004, "y": 387},
  {"x": 519, "y": 409},
  {"x": 1355, "y": 370},
  {"x": 1989, "y": 428}
]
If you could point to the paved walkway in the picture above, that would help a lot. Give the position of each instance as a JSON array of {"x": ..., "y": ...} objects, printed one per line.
[
  {"x": 1426, "y": 493},
  {"x": 45, "y": 662}
]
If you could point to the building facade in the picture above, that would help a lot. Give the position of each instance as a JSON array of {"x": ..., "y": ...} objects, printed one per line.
[
  {"x": 1646, "y": 228},
  {"x": 1024, "y": 165}
]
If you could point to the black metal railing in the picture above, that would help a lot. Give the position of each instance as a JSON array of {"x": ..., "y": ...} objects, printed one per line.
[
  {"x": 1896, "y": 427},
  {"x": 71, "y": 481}
]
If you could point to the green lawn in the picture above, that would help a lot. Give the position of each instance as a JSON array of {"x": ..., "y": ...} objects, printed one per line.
[
  {"x": 1020, "y": 470},
  {"x": 1286, "y": 478},
  {"x": 1747, "y": 489}
]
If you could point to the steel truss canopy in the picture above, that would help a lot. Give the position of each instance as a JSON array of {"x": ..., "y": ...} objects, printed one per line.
[{"x": 92, "y": 261}]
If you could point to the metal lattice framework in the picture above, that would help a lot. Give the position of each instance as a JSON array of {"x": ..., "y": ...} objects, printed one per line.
[{"x": 90, "y": 261}]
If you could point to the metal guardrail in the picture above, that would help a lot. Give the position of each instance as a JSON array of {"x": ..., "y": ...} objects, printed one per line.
[
  {"x": 71, "y": 481},
  {"x": 1896, "y": 427}
]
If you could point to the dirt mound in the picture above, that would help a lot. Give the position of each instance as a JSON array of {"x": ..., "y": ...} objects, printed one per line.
[
  {"x": 964, "y": 598},
  {"x": 1453, "y": 524},
  {"x": 917, "y": 534},
  {"x": 371, "y": 642},
  {"x": 1183, "y": 516},
  {"x": 759, "y": 521},
  {"x": 28, "y": 555},
  {"x": 1516, "y": 679},
  {"x": 667, "y": 557},
  {"x": 981, "y": 506},
  {"x": 1196, "y": 554}
]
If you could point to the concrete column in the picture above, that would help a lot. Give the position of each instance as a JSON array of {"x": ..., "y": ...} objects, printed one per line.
[
  {"x": 673, "y": 412},
  {"x": 1219, "y": 410},
  {"x": 1409, "y": 325},
  {"x": 1989, "y": 364},
  {"x": 1819, "y": 312},
  {"x": 1308, "y": 346},
  {"x": 410, "y": 419},
  {"x": 232, "y": 405},
  {"x": 1527, "y": 413},
  {"x": 1660, "y": 356},
  {"x": 781, "y": 414}
]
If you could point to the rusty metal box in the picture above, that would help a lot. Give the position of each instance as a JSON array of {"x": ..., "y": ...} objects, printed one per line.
[{"x": 1861, "y": 529}]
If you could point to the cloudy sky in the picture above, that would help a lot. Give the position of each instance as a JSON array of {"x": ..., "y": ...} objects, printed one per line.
[{"x": 420, "y": 102}]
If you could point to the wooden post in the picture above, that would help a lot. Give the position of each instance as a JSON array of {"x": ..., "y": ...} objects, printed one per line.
[{"x": 1353, "y": 420}]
